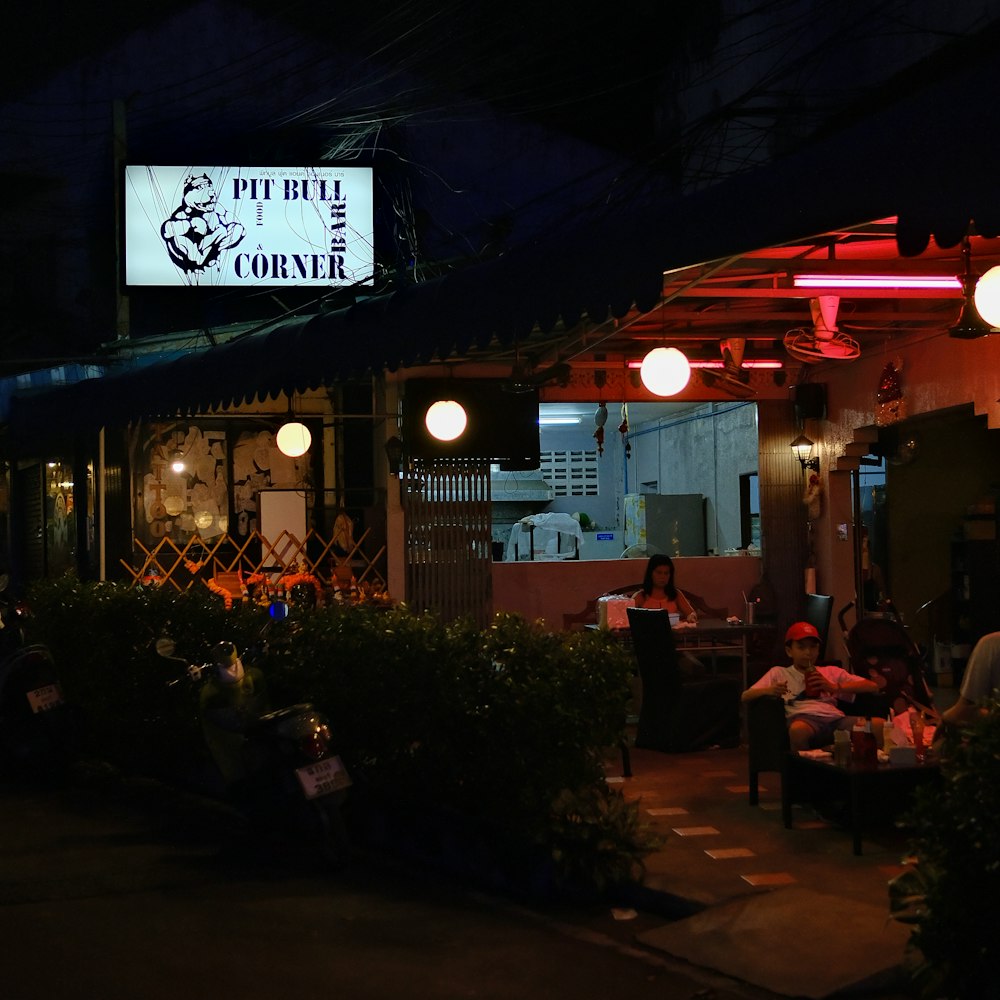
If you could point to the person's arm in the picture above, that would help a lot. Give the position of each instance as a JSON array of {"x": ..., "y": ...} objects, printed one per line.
[
  {"x": 685, "y": 607},
  {"x": 640, "y": 598},
  {"x": 962, "y": 712},
  {"x": 771, "y": 690},
  {"x": 844, "y": 682},
  {"x": 771, "y": 685}
]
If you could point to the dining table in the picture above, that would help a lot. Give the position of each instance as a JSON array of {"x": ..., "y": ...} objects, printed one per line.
[
  {"x": 716, "y": 637},
  {"x": 721, "y": 636},
  {"x": 869, "y": 791}
]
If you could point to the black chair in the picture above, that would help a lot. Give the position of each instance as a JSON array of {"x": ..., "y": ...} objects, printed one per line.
[
  {"x": 817, "y": 611},
  {"x": 679, "y": 714},
  {"x": 768, "y": 744},
  {"x": 767, "y": 740}
]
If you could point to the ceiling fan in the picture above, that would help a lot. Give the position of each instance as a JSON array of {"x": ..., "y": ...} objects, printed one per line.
[
  {"x": 824, "y": 342},
  {"x": 733, "y": 377},
  {"x": 640, "y": 551},
  {"x": 524, "y": 378}
]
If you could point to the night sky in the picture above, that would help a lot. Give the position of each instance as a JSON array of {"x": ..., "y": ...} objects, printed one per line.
[{"x": 574, "y": 67}]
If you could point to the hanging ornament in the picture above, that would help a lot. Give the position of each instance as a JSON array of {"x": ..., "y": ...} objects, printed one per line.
[
  {"x": 890, "y": 404},
  {"x": 813, "y": 496},
  {"x": 623, "y": 430},
  {"x": 600, "y": 419}
]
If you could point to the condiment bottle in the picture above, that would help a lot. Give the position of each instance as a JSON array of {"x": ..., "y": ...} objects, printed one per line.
[
  {"x": 841, "y": 748},
  {"x": 917, "y": 728},
  {"x": 863, "y": 748},
  {"x": 889, "y": 733}
]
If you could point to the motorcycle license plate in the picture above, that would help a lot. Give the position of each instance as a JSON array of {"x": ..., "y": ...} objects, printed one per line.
[
  {"x": 323, "y": 777},
  {"x": 44, "y": 698}
]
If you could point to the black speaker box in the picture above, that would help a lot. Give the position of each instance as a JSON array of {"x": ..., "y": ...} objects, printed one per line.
[{"x": 810, "y": 401}]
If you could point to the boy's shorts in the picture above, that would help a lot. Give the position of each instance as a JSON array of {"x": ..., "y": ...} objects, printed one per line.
[{"x": 823, "y": 728}]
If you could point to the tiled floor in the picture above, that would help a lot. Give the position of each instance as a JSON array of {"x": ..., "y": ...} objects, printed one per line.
[
  {"x": 715, "y": 846},
  {"x": 757, "y": 882}
]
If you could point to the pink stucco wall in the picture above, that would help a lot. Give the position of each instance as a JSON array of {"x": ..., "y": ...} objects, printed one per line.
[
  {"x": 548, "y": 590},
  {"x": 936, "y": 374}
]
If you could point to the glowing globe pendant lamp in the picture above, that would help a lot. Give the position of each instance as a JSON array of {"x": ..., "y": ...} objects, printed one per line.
[
  {"x": 972, "y": 321},
  {"x": 665, "y": 371},
  {"x": 293, "y": 439},
  {"x": 446, "y": 420},
  {"x": 987, "y": 297}
]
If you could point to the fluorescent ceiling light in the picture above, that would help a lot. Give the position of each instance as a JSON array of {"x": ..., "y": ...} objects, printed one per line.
[
  {"x": 719, "y": 364},
  {"x": 559, "y": 418},
  {"x": 876, "y": 281},
  {"x": 746, "y": 364}
]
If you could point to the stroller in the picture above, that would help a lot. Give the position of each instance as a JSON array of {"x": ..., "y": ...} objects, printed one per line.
[{"x": 881, "y": 649}]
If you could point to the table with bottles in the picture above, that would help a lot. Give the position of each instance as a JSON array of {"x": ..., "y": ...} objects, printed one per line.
[{"x": 868, "y": 792}]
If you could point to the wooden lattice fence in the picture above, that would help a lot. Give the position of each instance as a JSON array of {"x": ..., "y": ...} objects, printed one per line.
[{"x": 182, "y": 566}]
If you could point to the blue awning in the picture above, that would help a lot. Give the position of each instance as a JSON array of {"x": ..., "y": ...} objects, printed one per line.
[{"x": 43, "y": 379}]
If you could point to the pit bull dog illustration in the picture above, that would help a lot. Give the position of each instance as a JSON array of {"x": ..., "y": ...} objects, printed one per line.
[{"x": 198, "y": 231}]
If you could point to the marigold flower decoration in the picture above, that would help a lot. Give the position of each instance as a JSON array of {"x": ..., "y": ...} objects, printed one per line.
[
  {"x": 290, "y": 580},
  {"x": 217, "y": 588}
]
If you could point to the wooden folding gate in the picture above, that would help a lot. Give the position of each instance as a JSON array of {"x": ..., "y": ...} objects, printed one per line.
[{"x": 446, "y": 505}]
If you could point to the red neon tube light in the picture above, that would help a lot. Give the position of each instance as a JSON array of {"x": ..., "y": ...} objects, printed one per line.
[{"x": 876, "y": 281}]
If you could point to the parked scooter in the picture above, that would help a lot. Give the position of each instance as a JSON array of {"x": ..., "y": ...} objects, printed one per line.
[
  {"x": 37, "y": 731},
  {"x": 284, "y": 774}
]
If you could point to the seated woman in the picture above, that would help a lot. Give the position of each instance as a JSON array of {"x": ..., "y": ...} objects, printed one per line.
[{"x": 659, "y": 591}]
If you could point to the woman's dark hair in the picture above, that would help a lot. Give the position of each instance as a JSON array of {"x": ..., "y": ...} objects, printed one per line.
[{"x": 647, "y": 581}]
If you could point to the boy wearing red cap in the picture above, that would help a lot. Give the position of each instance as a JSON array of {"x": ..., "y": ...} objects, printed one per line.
[{"x": 810, "y": 693}]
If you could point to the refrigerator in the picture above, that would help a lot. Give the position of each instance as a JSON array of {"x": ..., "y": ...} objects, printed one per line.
[{"x": 673, "y": 524}]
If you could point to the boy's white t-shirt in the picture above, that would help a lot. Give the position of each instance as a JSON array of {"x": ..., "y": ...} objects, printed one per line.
[{"x": 796, "y": 703}]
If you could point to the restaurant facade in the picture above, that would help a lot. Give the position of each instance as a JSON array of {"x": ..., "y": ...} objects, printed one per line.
[{"x": 905, "y": 187}]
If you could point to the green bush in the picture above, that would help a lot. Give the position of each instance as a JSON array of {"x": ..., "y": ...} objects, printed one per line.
[
  {"x": 507, "y": 726},
  {"x": 949, "y": 892},
  {"x": 103, "y": 639}
]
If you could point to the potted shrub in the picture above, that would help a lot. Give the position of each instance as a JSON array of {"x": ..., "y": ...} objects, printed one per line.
[{"x": 949, "y": 891}]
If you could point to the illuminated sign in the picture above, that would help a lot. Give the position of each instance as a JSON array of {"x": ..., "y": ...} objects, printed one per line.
[{"x": 248, "y": 226}]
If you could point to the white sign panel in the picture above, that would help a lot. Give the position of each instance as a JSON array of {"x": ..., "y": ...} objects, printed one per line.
[{"x": 249, "y": 226}]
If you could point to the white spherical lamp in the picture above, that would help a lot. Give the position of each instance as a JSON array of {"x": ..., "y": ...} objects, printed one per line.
[
  {"x": 665, "y": 371},
  {"x": 446, "y": 419},
  {"x": 987, "y": 296},
  {"x": 293, "y": 439}
]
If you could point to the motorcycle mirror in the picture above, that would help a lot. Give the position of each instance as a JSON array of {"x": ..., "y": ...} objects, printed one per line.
[{"x": 165, "y": 647}]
